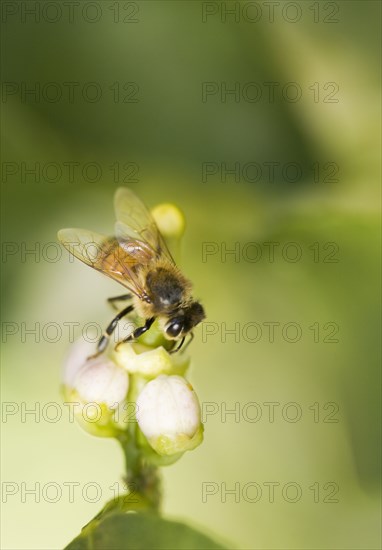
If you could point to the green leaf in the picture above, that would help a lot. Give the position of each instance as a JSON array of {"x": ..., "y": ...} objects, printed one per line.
[{"x": 140, "y": 531}]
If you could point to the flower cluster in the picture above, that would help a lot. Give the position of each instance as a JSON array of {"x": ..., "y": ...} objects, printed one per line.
[
  {"x": 137, "y": 393},
  {"x": 137, "y": 385}
]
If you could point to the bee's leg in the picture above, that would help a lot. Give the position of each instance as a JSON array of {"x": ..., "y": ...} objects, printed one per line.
[
  {"x": 137, "y": 332},
  {"x": 104, "y": 340},
  {"x": 182, "y": 342},
  {"x": 190, "y": 340},
  {"x": 119, "y": 299},
  {"x": 178, "y": 347}
]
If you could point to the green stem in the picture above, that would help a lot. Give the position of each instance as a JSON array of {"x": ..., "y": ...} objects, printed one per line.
[{"x": 142, "y": 478}]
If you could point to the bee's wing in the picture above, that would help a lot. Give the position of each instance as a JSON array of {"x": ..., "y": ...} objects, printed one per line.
[
  {"x": 106, "y": 255},
  {"x": 134, "y": 222}
]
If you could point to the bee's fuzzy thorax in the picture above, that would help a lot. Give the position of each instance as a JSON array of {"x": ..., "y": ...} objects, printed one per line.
[{"x": 166, "y": 287}]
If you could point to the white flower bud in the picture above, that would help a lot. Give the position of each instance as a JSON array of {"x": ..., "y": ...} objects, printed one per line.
[
  {"x": 168, "y": 414},
  {"x": 101, "y": 381},
  {"x": 96, "y": 381},
  {"x": 76, "y": 357}
]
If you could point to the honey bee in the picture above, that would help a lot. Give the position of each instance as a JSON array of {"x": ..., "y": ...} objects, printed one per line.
[{"x": 138, "y": 258}]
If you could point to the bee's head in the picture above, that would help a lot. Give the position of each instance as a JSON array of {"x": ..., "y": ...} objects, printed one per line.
[{"x": 184, "y": 320}]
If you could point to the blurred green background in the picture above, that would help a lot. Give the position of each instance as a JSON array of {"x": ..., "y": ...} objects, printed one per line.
[{"x": 159, "y": 145}]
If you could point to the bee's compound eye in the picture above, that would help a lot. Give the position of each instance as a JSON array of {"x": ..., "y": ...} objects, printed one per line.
[{"x": 174, "y": 329}]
